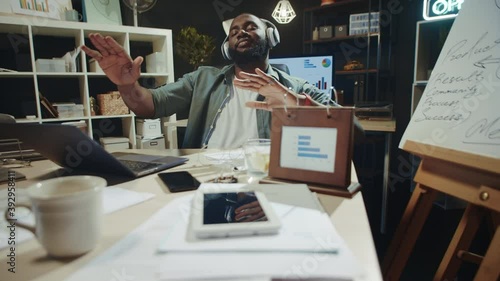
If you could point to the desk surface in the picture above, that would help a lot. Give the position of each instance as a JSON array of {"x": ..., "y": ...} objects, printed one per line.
[
  {"x": 348, "y": 216},
  {"x": 378, "y": 125}
]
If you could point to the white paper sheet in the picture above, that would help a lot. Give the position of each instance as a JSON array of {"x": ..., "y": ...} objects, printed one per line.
[
  {"x": 114, "y": 199},
  {"x": 117, "y": 198},
  {"x": 136, "y": 258},
  {"x": 226, "y": 155},
  {"x": 227, "y": 159},
  {"x": 303, "y": 230}
]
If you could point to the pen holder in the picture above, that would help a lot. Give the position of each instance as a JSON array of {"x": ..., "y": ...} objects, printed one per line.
[{"x": 72, "y": 15}]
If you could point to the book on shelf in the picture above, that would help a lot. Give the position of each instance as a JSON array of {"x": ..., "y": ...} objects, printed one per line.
[{"x": 52, "y": 112}]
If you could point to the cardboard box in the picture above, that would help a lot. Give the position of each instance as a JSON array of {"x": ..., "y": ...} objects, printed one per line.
[
  {"x": 325, "y": 32},
  {"x": 147, "y": 143},
  {"x": 340, "y": 30},
  {"x": 50, "y": 65},
  {"x": 148, "y": 127},
  {"x": 114, "y": 143},
  {"x": 69, "y": 110},
  {"x": 156, "y": 63},
  {"x": 111, "y": 104}
]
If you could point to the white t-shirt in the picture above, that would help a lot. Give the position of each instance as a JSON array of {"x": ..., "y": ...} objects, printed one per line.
[{"x": 237, "y": 122}]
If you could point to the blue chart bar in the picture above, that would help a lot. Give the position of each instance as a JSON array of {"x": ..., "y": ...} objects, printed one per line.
[
  {"x": 301, "y": 148},
  {"x": 312, "y": 155},
  {"x": 310, "y": 149}
]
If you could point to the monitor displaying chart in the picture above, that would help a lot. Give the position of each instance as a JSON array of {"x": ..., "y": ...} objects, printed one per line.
[
  {"x": 308, "y": 148},
  {"x": 317, "y": 70}
]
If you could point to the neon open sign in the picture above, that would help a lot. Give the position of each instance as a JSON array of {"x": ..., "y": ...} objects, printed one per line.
[{"x": 438, "y": 9}]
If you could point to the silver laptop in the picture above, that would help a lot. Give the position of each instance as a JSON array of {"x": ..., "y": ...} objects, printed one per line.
[{"x": 69, "y": 147}]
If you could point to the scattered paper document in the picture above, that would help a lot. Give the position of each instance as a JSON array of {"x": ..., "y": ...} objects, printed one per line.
[{"x": 117, "y": 198}]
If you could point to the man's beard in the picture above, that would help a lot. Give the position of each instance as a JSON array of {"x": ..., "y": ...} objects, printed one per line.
[{"x": 254, "y": 54}]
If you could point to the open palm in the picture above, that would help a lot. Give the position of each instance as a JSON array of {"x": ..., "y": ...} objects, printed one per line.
[{"x": 113, "y": 60}]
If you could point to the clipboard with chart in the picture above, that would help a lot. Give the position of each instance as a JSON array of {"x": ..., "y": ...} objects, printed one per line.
[{"x": 313, "y": 145}]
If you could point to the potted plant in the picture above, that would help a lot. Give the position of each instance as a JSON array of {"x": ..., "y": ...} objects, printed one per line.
[{"x": 194, "y": 47}]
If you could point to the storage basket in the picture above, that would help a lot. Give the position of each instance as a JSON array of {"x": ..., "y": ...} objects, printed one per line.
[{"x": 111, "y": 103}]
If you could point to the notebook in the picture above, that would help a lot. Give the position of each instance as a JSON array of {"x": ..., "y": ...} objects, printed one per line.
[{"x": 69, "y": 147}]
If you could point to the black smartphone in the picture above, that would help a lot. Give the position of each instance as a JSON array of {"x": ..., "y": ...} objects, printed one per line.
[{"x": 179, "y": 181}]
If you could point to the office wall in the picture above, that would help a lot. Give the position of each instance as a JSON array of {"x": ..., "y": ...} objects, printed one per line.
[{"x": 207, "y": 16}]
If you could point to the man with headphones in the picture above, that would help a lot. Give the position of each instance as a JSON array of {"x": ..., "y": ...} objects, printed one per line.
[{"x": 220, "y": 103}]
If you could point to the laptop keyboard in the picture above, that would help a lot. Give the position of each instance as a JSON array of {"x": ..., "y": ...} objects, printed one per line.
[{"x": 138, "y": 166}]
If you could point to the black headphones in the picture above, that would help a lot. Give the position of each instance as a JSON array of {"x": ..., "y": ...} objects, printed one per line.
[{"x": 272, "y": 34}]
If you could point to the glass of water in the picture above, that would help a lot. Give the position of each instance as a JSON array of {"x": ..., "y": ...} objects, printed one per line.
[{"x": 257, "y": 153}]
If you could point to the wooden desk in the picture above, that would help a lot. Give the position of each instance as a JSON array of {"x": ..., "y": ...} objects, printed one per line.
[
  {"x": 348, "y": 215},
  {"x": 387, "y": 127}
]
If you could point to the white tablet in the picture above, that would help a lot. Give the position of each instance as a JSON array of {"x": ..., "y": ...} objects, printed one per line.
[{"x": 232, "y": 212}]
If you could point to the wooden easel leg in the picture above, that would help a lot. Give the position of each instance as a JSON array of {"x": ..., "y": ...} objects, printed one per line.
[
  {"x": 406, "y": 235},
  {"x": 490, "y": 267},
  {"x": 461, "y": 240}
]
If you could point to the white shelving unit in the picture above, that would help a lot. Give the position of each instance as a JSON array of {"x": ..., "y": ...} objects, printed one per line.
[{"x": 23, "y": 40}]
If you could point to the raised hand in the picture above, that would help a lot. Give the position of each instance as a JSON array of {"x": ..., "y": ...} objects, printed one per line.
[
  {"x": 113, "y": 60},
  {"x": 275, "y": 93}
]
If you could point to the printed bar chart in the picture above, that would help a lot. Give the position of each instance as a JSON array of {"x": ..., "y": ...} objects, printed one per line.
[
  {"x": 317, "y": 70},
  {"x": 308, "y": 148},
  {"x": 41, "y": 8},
  {"x": 322, "y": 84},
  {"x": 35, "y": 5}
]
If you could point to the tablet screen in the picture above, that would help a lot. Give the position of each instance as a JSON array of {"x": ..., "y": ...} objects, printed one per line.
[{"x": 232, "y": 207}]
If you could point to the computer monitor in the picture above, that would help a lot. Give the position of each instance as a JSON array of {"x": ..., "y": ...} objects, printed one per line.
[{"x": 317, "y": 70}]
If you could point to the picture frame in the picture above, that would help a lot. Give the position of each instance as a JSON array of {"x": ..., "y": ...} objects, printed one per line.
[
  {"x": 313, "y": 145},
  {"x": 53, "y": 9},
  {"x": 102, "y": 12}
]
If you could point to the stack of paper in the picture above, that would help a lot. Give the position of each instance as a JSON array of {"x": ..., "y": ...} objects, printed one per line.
[{"x": 159, "y": 250}]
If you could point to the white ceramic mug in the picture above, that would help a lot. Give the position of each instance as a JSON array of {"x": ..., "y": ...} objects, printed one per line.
[{"x": 68, "y": 214}]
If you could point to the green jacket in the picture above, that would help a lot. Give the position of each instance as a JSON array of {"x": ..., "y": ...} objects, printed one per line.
[{"x": 201, "y": 94}]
